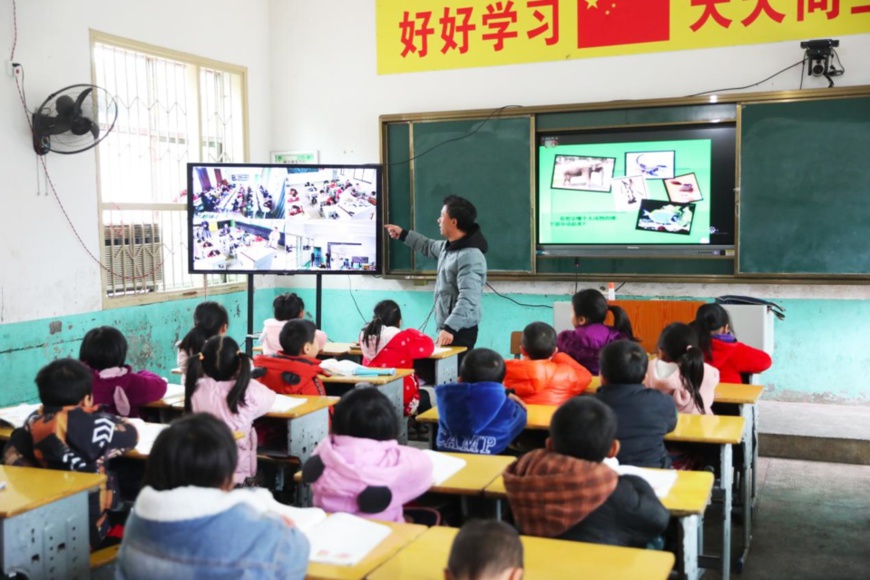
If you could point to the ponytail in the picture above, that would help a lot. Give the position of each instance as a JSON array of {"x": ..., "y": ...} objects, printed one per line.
[
  {"x": 678, "y": 343},
  {"x": 691, "y": 365},
  {"x": 220, "y": 360},
  {"x": 387, "y": 313},
  {"x": 209, "y": 318},
  {"x": 236, "y": 396},
  {"x": 373, "y": 329},
  {"x": 194, "y": 371},
  {"x": 622, "y": 323},
  {"x": 710, "y": 317}
]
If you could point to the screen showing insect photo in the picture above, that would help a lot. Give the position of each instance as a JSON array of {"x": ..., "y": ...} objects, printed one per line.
[
  {"x": 645, "y": 191},
  {"x": 284, "y": 218}
]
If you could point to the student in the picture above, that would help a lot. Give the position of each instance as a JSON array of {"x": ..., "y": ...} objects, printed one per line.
[
  {"x": 485, "y": 550},
  {"x": 361, "y": 469},
  {"x": 219, "y": 382},
  {"x": 104, "y": 350},
  {"x": 680, "y": 370},
  {"x": 722, "y": 349},
  {"x": 70, "y": 433},
  {"x": 644, "y": 416},
  {"x": 566, "y": 492},
  {"x": 544, "y": 376},
  {"x": 476, "y": 414},
  {"x": 209, "y": 319},
  {"x": 287, "y": 306},
  {"x": 590, "y": 334},
  {"x": 295, "y": 369},
  {"x": 385, "y": 345},
  {"x": 188, "y": 522}
]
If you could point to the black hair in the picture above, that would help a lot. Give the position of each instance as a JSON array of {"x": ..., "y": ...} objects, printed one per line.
[
  {"x": 103, "y": 347},
  {"x": 539, "y": 340},
  {"x": 64, "y": 382},
  {"x": 288, "y": 306},
  {"x": 196, "y": 450},
  {"x": 482, "y": 365},
  {"x": 483, "y": 549},
  {"x": 295, "y": 335},
  {"x": 387, "y": 313},
  {"x": 709, "y": 317},
  {"x": 462, "y": 210},
  {"x": 679, "y": 344},
  {"x": 591, "y": 305},
  {"x": 221, "y": 360},
  {"x": 208, "y": 319},
  {"x": 623, "y": 362},
  {"x": 583, "y": 427},
  {"x": 366, "y": 412}
]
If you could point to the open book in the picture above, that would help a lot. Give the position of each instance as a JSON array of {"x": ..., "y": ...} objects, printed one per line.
[
  {"x": 17, "y": 415},
  {"x": 148, "y": 433},
  {"x": 174, "y": 391},
  {"x": 347, "y": 368},
  {"x": 661, "y": 480},
  {"x": 344, "y": 539},
  {"x": 283, "y": 403},
  {"x": 443, "y": 466}
]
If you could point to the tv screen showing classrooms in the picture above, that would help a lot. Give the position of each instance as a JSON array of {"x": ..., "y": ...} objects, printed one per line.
[
  {"x": 657, "y": 187},
  {"x": 284, "y": 218}
]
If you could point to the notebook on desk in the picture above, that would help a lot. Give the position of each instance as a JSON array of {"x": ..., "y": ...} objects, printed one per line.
[
  {"x": 148, "y": 433},
  {"x": 443, "y": 466},
  {"x": 17, "y": 415},
  {"x": 344, "y": 539},
  {"x": 283, "y": 403}
]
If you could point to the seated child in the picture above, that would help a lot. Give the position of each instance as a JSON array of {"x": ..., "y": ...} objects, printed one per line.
[
  {"x": 590, "y": 334},
  {"x": 476, "y": 414},
  {"x": 644, "y": 416},
  {"x": 735, "y": 360},
  {"x": 72, "y": 434},
  {"x": 294, "y": 370},
  {"x": 566, "y": 492},
  {"x": 544, "y": 376},
  {"x": 485, "y": 550},
  {"x": 209, "y": 319},
  {"x": 360, "y": 468},
  {"x": 385, "y": 345},
  {"x": 219, "y": 382},
  {"x": 116, "y": 386},
  {"x": 188, "y": 522},
  {"x": 680, "y": 370},
  {"x": 287, "y": 306}
]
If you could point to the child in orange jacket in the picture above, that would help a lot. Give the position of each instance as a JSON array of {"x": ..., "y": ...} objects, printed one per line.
[{"x": 544, "y": 376}]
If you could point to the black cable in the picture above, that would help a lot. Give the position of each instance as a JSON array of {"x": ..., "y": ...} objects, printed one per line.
[
  {"x": 515, "y": 302},
  {"x": 350, "y": 289},
  {"x": 618, "y": 288},
  {"x": 803, "y": 60},
  {"x": 801, "y": 86},
  {"x": 426, "y": 321}
]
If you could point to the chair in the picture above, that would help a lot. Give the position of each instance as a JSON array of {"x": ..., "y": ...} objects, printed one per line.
[{"x": 516, "y": 343}]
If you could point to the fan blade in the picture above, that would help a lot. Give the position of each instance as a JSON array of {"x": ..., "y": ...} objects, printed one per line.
[
  {"x": 65, "y": 106},
  {"x": 95, "y": 130},
  {"x": 80, "y": 126},
  {"x": 81, "y": 99}
]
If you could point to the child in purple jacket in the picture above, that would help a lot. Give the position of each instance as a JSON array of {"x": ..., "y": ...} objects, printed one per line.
[
  {"x": 116, "y": 386},
  {"x": 361, "y": 469},
  {"x": 590, "y": 334}
]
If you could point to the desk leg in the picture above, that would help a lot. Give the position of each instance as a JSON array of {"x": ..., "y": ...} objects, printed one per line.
[
  {"x": 748, "y": 483},
  {"x": 498, "y": 514},
  {"x": 433, "y": 436},
  {"x": 50, "y": 541},
  {"x": 446, "y": 370},
  {"x": 303, "y": 435},
  {"x": 727, "y": 485},
  {"x": 691, "y": 535},
  {"x": 753, "y": 411},
  {"x": 394, "y": 390}
]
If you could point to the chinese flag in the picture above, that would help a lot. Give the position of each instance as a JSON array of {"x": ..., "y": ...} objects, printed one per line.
[{"x": 615, "y": 22}]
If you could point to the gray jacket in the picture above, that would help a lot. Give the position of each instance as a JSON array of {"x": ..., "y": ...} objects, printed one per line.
[{"x": 460, "y": 279}]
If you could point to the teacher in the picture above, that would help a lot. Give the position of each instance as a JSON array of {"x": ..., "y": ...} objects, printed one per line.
[{"x": 461, "y": 271}]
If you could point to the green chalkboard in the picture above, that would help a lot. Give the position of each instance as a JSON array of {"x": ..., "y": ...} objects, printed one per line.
[
  {"x": 805, "y": 188},
  {"x": 489, "y": 162}
]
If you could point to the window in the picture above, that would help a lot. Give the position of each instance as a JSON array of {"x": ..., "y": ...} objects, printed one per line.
[{"x": 173, "y": 109}]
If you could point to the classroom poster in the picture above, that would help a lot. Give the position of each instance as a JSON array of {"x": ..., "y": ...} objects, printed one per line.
[{"x": 426, "y": 35}]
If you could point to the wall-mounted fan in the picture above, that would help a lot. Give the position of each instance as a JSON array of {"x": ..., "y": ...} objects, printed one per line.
[{"x": 73, "y": 119}]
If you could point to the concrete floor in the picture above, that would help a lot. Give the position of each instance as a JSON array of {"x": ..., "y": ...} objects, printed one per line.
[{"x": 812, "y": 520}]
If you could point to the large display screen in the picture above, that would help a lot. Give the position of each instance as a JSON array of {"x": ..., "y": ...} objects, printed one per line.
[
  {"x": 284, "y": 218},
  {"x": 668, "y": 189}
]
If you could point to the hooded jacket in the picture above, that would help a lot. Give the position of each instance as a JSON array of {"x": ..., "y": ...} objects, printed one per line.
[
  {"x": 643, "y": 418},
  {"x": 477, "y": 418},
  {"x": 461, "y": 275},
  {"x": 398, "y": 348},
  {"x": 666, "y": 377},
  {"x": 270, "y": 338},
  {"x": 733, "y": 358},
  {"x": 558, "y": 496},
  {"x": 548, "y": 381},
  {"x": 291, "y": 375},
  {"x": 122, "y": 391},
  {"x": 584, "y": 343},
  {"x": 353, "y": 464},
  {"x": 197, "y": 532}
]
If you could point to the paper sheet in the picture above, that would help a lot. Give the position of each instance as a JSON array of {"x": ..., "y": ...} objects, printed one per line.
[
  {"x": 443, "y": 466},
  {"x": 344, "y": 540},
  {"x": 17, "y": 415},
  {"x": 148, "y": 433},
  {"x": 283, "y": 403},
  {"x": 661, "y": 480}
]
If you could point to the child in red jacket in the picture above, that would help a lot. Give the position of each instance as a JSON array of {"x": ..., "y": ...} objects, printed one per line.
[
  {"x": 722, "y": 350},
  {"x": 293, "y": 370},
  {"x": 386, "y": 345},
  {"x": 544, "y": 376}
]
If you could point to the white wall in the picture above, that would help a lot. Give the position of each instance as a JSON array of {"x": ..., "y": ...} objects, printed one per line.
[{"x": 44, "y": 271}]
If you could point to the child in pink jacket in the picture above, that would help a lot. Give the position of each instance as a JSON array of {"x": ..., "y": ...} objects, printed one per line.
[
  {"x": 287, "y": 306},
  {"x": 680, "y": 370},
  {"x": 361, "y": 469},
  {"x": 219, "y": 382}
]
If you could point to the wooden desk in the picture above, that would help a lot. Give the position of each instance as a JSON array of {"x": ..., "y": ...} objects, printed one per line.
[
  {"x": 403, "y": 534},
  {"x": 45, "y": 522},
  {"x": 446, "y": 363},
  {"x": 479, "y": 472},
  {"x": 426, "y": 557},
  {"x": 391, "y": 385}
]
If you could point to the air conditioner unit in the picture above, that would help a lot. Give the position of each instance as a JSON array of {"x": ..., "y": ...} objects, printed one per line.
[{"x": 133, "y": 256}]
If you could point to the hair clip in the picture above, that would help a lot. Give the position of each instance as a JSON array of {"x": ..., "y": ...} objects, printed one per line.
[
  {"x": 201, "y": 356},
  {"x": 240, "y": 352}
]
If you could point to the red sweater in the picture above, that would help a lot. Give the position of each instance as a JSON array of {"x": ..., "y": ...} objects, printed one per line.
[
  {"x": 734, "y": 358},
  {"x": 398, "y": 349}
]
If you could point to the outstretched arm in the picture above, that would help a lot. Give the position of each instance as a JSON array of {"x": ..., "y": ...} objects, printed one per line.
[{"x": 415, "y": 241}]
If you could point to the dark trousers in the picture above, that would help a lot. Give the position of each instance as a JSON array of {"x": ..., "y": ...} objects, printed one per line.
[{"x": 464, "y": 337}]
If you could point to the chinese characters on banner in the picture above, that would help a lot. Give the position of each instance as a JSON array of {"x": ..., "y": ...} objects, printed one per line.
[{"x": 421, "y": 35}]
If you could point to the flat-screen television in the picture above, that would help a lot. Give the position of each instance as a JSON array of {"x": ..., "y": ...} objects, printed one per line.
[
  {"x": 637, "y": 192},
  {"x": 247, "y": 218}
]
